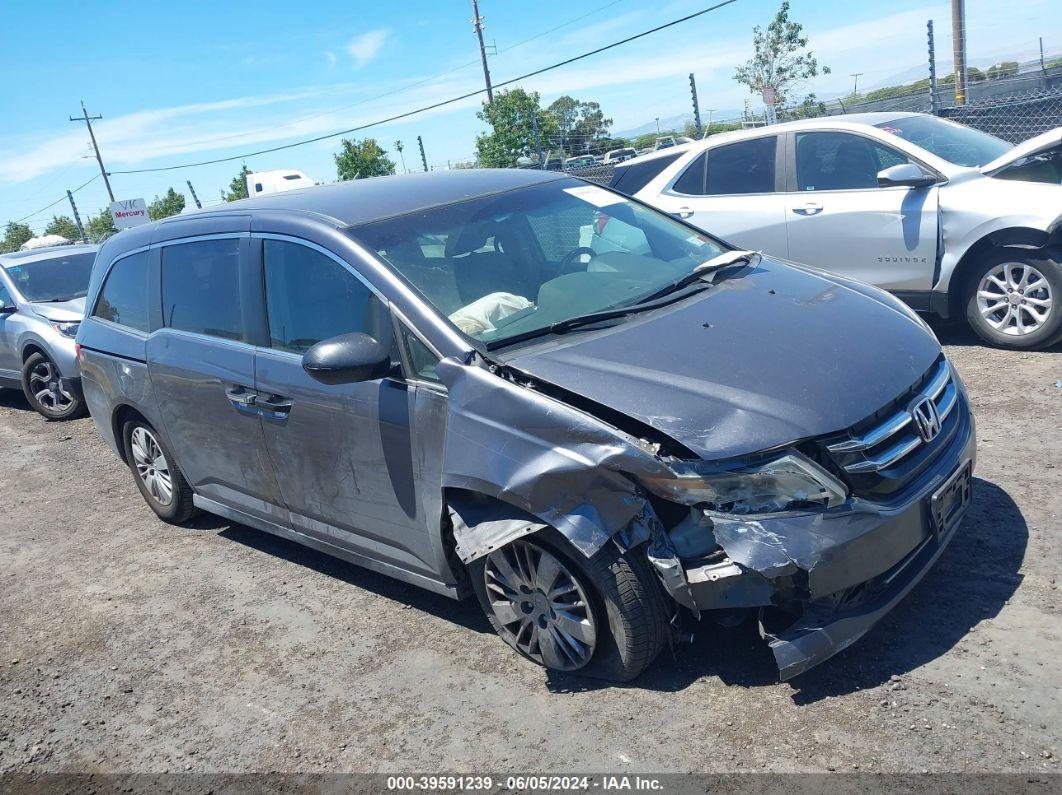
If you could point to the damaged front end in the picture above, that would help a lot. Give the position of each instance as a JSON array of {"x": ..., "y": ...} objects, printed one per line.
[{"x": 785, "y": 535}]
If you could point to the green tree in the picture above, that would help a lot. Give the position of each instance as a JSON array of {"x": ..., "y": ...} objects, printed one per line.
[
  {"x": 100, "y": 226},
  {"x": 62, "y": 225},
  {"x": 511, "y": 117},
  {"x": 169, "y": 204},
  {"x": 238, "y": 186},
  {"x": 14, "y": 236},
  {"x": 578, "y": 123},
  {"x": 361, "y": 159},
  {"x": 781, "y": 60}
]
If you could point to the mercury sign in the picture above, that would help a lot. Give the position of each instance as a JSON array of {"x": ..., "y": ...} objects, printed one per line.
[{"x": 129, "y": 212}]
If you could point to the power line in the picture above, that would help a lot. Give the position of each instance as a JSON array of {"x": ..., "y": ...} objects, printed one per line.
[
  {"x": 435, "y": 105},
  {"x": 61, "y": 198}
]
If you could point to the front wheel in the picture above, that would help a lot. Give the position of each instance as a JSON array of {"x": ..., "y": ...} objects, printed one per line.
[
  {"x": 44, "y": 389},
  {"x": 605, "y": 617},
  {"x": 1013, "y": 299}
]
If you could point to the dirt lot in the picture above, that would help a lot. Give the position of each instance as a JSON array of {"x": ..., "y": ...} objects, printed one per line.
[{"x": 130, "y": 645}]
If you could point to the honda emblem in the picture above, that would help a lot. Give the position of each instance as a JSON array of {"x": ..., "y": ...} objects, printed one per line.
[{"x": 926, "y": 419}]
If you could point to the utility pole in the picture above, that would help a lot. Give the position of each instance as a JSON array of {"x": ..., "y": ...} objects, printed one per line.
[
  {"x": 538, "y": 140},
  {"x": 1042, "y": 67},
  {"x": 657, "y": 125},
  {"x": 958, "y": 38},
  {"x": 88, "y": 122},
  {"x": 423, "y": 159},
  {"x": 696, "y": 106},
  {"x": 77, "y": 218},
  {"x": 194, "y": 197},
  {"x": 855, "y": 87},
  {"x": 477, "y": 25},
  {"x": 708, "y": 129},
  {"x": 934, "y": 97}
]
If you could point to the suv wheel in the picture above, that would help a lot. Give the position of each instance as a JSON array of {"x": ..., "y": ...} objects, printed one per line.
[
  {"x": 604, "y": 617},
  {"x": 43, "y": 387},
  {"x": 157, "y": 476},
  {"x": 1014, "y": 299}
]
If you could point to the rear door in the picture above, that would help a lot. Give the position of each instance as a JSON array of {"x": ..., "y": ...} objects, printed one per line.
[
  {"x": 201, "y": 364},
  {"x": 840, "y": 220},
  {"x": 343, "y": 453},
  {"x": 733, "y": 192}
]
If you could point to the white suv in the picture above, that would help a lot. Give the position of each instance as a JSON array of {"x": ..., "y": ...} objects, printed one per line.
[{"x": 950, "y": 219}]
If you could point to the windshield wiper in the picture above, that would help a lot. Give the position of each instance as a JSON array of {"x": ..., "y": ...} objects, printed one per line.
[
  {"x": 724, "y": 260},
  {"x": 568, "y": 324},
  {"x": 55, "y": 300}
]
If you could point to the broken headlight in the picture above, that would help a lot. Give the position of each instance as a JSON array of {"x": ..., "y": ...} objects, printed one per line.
[{"x": 791, "y": 482}]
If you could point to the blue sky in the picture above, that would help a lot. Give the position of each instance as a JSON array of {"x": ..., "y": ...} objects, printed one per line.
[{"x": 198, "y": 81}]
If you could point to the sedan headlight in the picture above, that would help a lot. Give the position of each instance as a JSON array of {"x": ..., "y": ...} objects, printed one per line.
[
  {"x": 67, "y": 329},
  {"x": 787, "y": 483}
]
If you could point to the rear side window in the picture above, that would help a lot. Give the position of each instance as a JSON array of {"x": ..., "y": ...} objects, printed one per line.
[
  {"x": 310, "y": 297},
  {"x": 123, "y": 299},
  {"x": 631, "y": 179},
  {"x": 744, "y": 167},
  {"x": 841, "y": 161},
  {"x": 691, "y": 182},
  {"x": 201, "y": 288}
]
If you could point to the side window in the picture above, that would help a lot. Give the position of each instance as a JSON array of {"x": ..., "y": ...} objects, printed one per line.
[
  {"x": 744, "y": 167},
  {"x": 123, "y": 299},
  {"x": 421, "y": 359},
  {"x": 310, "y": 297},
  {"x": 5, "y": 296},
  {"x": 691, "y": 181},
  {"x": 841, "y": 161},
  {"x": 201, "y": 288},
  {"x": 631, "y": 179}
]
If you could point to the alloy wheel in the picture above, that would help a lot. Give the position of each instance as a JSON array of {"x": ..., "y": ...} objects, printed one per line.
[
  {"x": 541, "y": 607},
  {"x": 151, "y": 465},
  {"x": 47, "y": 387},
  {"x": 1015, "y": 299}
]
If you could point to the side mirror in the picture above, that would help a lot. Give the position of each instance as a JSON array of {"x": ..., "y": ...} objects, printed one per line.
[
  {"x": 906, "y": 175},
  {"x": 8, "y": 310},
  {"x": 347, "y": 359}
]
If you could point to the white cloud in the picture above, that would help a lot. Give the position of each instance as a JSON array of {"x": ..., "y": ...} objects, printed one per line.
[{"x": 366, "y": 47}]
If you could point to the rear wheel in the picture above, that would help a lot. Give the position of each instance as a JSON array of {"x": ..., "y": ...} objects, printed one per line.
[
  {"x": 604, "y": 617},
  {"x": 160, "y": 481},
  {"x": 1014, "y": 299},
  {"x": 44, "y": 389}
]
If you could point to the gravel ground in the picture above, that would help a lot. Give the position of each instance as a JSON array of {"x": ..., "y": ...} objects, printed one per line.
[{"x": 130, "y": 645}]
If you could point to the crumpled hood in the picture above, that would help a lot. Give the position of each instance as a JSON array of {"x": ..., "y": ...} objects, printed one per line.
[
  {"x": 769, "y": 356},
  {"x": 1035, "y": 145},
  {"x": 62, "y": 312}
]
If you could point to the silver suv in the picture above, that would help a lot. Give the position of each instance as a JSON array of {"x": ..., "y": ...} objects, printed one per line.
[
  {"x": 949, "y": 219},
  {"x": 454, "y": 379},
  {"x": 42, "y": 299}
]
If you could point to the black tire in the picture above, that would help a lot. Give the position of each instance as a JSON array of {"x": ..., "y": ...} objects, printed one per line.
[
  {"x": 179, "y": 508},
  {"x": 629, "y": 607},
  {"x": 1047, "y": 263},
  {"x": 58, "y": 403}
]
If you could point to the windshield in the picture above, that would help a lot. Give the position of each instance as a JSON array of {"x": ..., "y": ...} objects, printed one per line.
[
  {"x": 512, "y": 263},
  {"x": 52, "y": 279},
  {"x": 960, "y": 145}
]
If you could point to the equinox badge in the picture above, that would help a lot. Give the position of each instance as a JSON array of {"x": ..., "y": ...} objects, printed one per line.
[{"x": 924, "y": 413}]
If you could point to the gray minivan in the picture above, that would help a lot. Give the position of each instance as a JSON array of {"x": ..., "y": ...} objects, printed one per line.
[{"x": 454, "y": 379}]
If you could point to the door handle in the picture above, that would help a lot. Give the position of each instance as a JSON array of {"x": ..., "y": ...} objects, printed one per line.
[
  {"x": 683, "y": 212},
  {"x": 808, "y": 208},
  {"x": 274, "y": 406},
  {"x": 242, "y": 398}
]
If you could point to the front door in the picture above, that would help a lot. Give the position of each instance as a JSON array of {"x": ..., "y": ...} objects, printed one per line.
[
  {"x": 840, "y": 220},
  {"x": 9, "y": 356},
  {"x": 202, "y": 373},
  {"x": 343, "y": 453}
]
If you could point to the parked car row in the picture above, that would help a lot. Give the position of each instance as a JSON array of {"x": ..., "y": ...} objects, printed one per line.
[
  {"x": 599, "y": 420},
  {"x": 953, "y": 221}
]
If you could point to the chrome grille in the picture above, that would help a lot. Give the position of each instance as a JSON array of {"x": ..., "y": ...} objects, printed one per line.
[{"x": 891, "y": 440}]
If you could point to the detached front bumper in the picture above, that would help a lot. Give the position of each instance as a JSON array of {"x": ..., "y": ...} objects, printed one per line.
[{"x": 821, "y": 581}]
